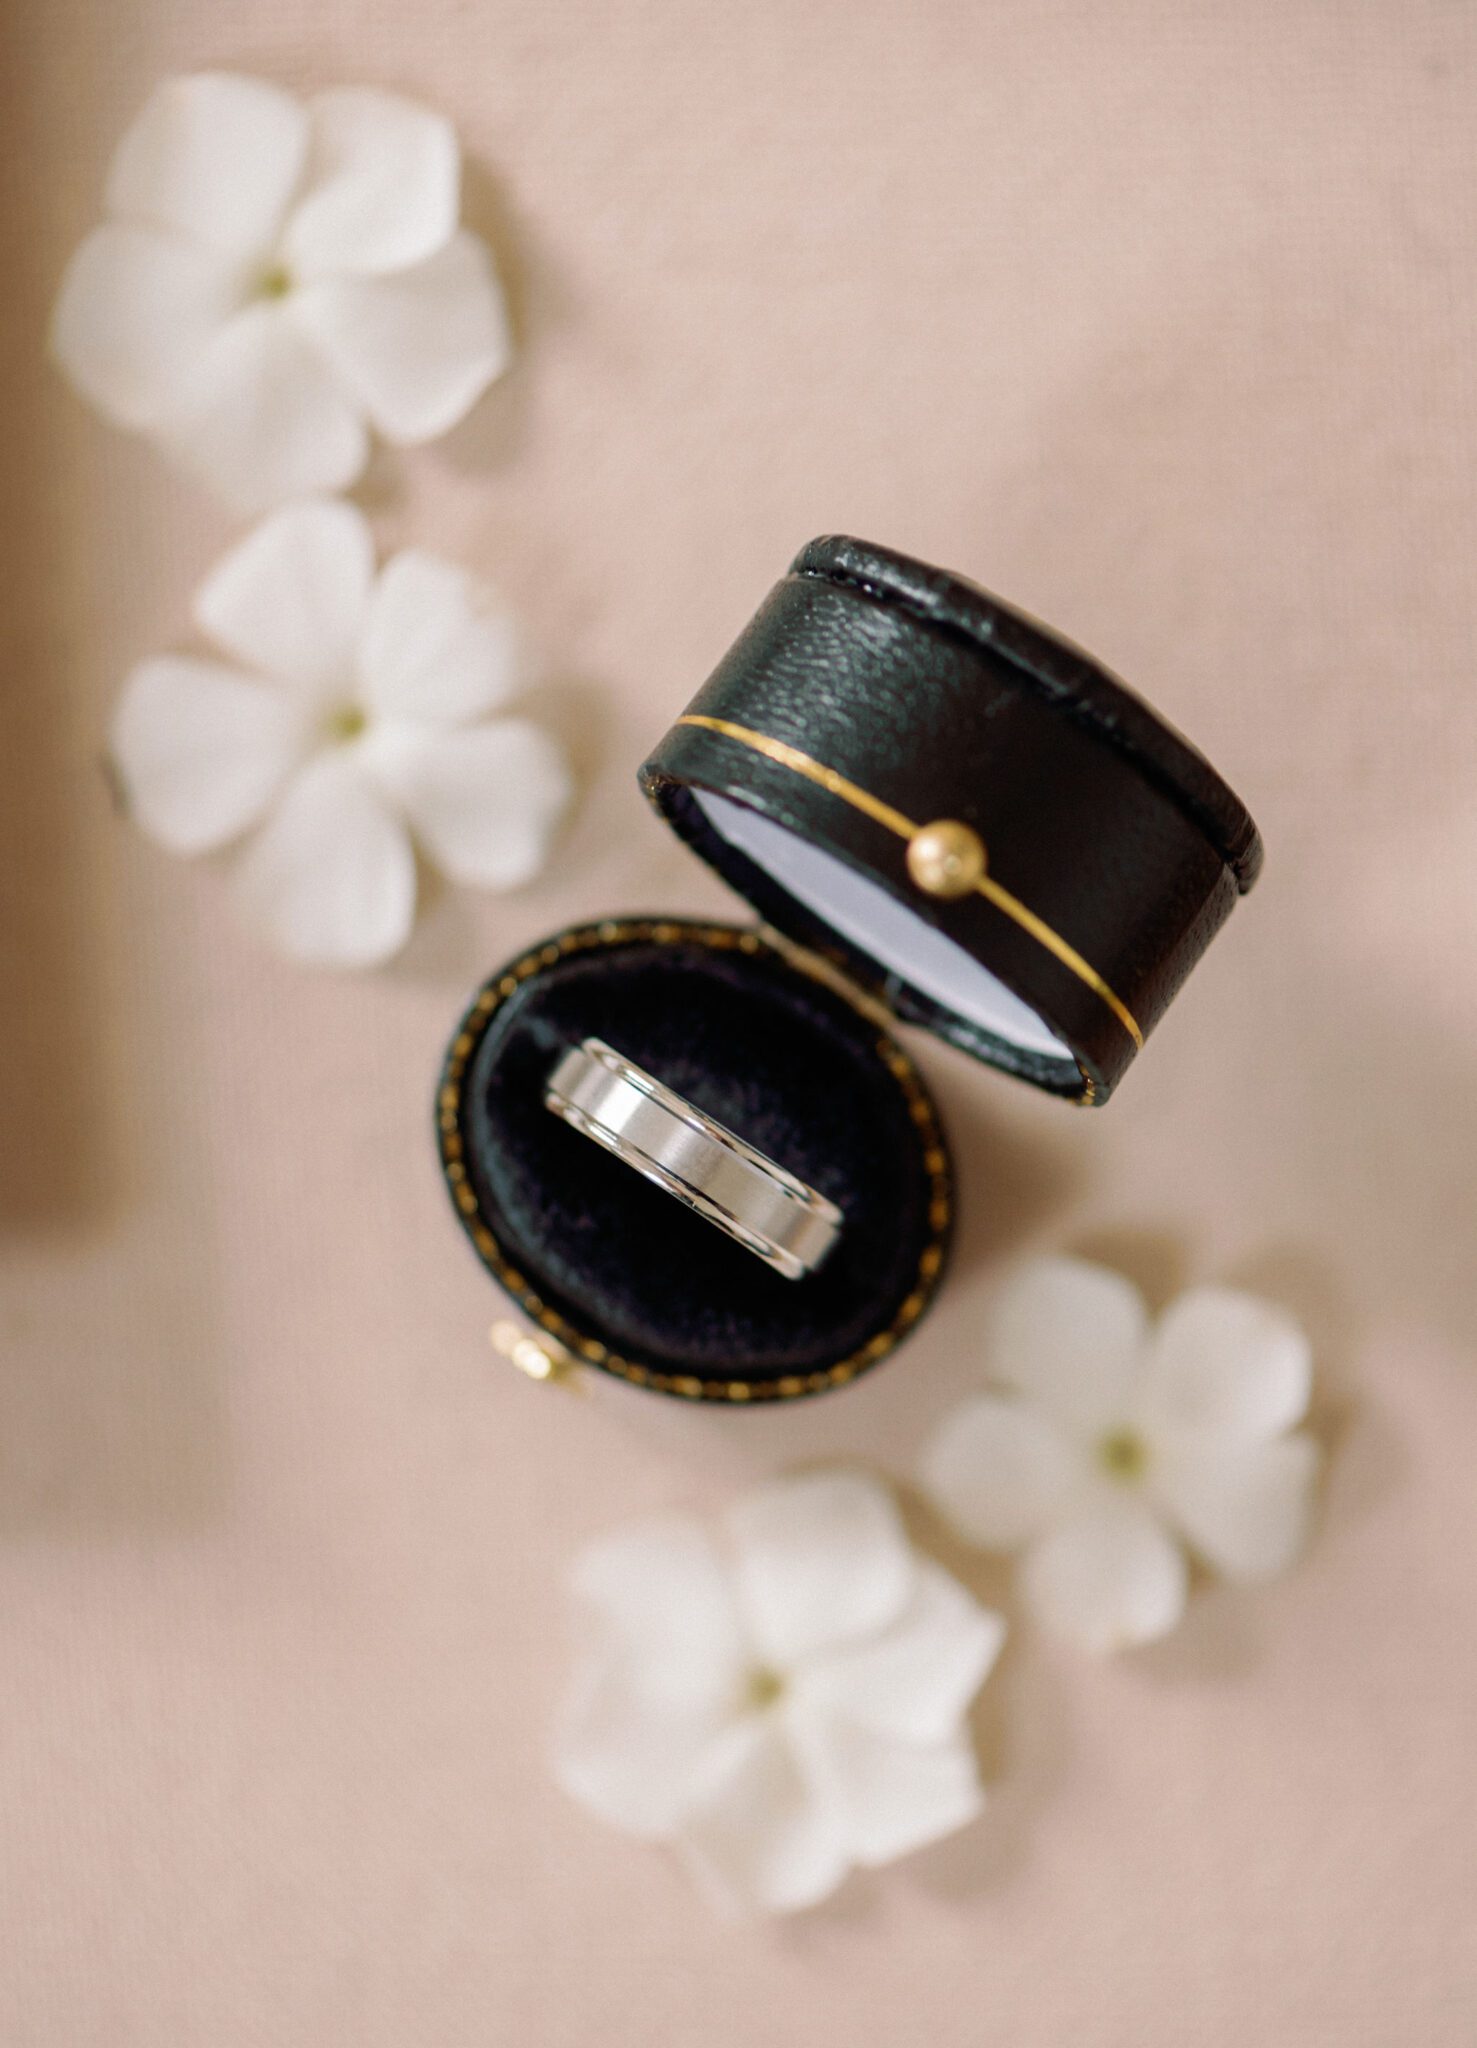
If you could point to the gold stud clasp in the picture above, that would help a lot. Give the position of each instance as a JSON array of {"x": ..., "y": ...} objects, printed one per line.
[{"x": 946, "y": 858}]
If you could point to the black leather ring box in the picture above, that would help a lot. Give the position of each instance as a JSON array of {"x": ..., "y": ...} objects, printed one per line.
[{"x": 945, "y": 816}]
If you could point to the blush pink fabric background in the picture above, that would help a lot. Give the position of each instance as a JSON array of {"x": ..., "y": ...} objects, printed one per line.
[{"x": 1159, "y": 317}]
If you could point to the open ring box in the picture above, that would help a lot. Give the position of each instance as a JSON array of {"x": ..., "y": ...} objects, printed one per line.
[{"x": 945, "y": 816}]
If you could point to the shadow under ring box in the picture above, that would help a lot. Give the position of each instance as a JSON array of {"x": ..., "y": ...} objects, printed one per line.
[{"x": 945, "y": 816}]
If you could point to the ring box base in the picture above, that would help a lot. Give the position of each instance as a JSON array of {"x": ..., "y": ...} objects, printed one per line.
[{"x": 610, "y": 1268}]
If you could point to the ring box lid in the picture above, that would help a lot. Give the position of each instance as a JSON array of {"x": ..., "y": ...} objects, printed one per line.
[{"x": 977, "y": 822}]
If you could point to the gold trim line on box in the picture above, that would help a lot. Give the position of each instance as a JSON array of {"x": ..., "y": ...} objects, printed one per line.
[{"x": 884, "y": 814}]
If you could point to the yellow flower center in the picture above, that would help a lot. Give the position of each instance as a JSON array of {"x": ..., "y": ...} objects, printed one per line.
[
  {"x": 764, "y": 1688},
  {"x": 275, "y": 282},
  {"x": 1123, "y": 1455},
  {"x": 344, "y": 723}
]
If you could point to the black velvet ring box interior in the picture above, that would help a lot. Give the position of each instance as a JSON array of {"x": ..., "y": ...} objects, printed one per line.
[{"x": 945, "y": 816}]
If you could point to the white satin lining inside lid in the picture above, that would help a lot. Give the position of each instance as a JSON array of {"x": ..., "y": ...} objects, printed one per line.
[{"x": 884, "y": 928}]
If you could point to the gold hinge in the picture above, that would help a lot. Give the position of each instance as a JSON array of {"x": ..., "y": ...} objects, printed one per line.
[{"x": 537, "y": 1358}]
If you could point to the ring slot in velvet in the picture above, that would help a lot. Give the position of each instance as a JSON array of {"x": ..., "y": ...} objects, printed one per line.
[{"x": 890, "y": 681}]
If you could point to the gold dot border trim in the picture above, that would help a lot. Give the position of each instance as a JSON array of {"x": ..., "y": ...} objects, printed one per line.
[
  {"x": 884, "y": 814},
  {"x": 582, "y": 1346}
]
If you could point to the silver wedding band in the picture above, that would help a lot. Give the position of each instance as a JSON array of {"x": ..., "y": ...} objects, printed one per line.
[{"x": 669, "y": 1142}]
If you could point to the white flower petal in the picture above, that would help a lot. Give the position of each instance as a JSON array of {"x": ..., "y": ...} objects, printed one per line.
[
  {"x": 263, "y": 419},
  {"x": 1225, "y": 1363},
  {"x": 665, "y": 1675},
  {"x": 202, "y": 750},
  {"x": 760, "y": 1840},
  {"x": 483, "y": 800},
  {"x": 290, "y": 599},
  {"x": 438, "y": 644},
  {"x": 913, "y": 1683},
  {"x": 887, "y": 1797},
  {"x": 1000, "y": 1471},
  {"x": 821, "y": 1560},
  {"x": 214, "y": 158},
  {"x": 383, "y": 187},
  {"x": 1108, "y": 1578},
  {"x": 1068, "y": 1335},
  {"x": 137, "y": 313},
  {"x": 630, "y": 1754},
  {"x": 1246, "y": 1508},
  {"x": 417, "y": 348},
  {"x": 331, "y": 876},
  {"x": 660, "y": 1592}
]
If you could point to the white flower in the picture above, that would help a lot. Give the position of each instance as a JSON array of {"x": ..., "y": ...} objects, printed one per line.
[
  {"x": 780, "y": 1705},
  {"x": 351, "y": 712},
  {"x": 1108, "y": 1440},
  {"x": 271, "y": 276}
]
